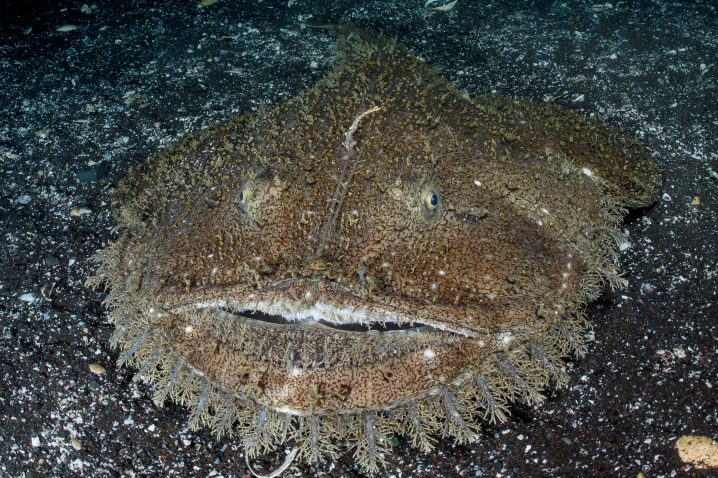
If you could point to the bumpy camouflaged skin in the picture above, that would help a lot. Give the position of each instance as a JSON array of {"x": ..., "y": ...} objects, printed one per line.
[{"x": 381, "y": 195}]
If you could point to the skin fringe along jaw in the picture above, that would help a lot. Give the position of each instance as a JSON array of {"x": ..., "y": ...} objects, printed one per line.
[{"x": 381, "y": 255}]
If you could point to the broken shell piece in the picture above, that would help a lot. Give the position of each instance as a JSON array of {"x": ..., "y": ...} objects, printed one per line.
[
  {"x": 67, "y": 28},
  {"x": 439, "y": 5}
]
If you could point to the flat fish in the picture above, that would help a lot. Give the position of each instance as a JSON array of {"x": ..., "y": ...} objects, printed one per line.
[{"x": 381, "y": 255}]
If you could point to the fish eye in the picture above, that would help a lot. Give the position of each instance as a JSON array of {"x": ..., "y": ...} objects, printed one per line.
[
  {"x": 430, "y": 203},
  {"x": 244, "y": 196}
]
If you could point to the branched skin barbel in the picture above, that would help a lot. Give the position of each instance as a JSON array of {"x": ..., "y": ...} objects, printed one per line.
[{"x": 382, "y": 254}]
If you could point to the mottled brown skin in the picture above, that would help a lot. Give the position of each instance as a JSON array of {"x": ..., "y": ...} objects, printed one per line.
[{"x": 489, "y": 222}]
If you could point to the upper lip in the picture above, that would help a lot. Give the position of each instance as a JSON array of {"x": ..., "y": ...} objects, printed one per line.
[{"x": 308, "y": 299}]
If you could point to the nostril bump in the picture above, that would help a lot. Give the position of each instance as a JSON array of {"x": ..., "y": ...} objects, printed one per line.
[{"x": 472, "y": 216}]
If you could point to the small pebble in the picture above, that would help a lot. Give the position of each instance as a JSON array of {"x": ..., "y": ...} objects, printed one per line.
[
  {"x": 43, "y": 133},
  {"x": 699, "y": 451},
  {"x": 97, "y": 369},
  {"x": 88, "y": 9},
  {"x": 7, "y": 333},
  {"x": 393, "y": 441},
  {"x": 79, "y": 211},
  {"x": 92, "y": 174},
  {"x": 51, "y": 260},
  {"x": 696, "y": 201}
]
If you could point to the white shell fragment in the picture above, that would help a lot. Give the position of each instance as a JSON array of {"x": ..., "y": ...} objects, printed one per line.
[
  {"x": 439, "y": 5},
  {"x": 67, "y": 28},
  {"x": 30, "y": 298}
]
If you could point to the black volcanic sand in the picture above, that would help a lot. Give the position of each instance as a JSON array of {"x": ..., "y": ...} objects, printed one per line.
[{"x": 79, "y": 107}]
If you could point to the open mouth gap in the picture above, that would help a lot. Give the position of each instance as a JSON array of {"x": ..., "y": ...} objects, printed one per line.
[{"x": 375, "y": 326}]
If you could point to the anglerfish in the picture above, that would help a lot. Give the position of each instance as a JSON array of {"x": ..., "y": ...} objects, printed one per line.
[{"x": 381, "y": 255}]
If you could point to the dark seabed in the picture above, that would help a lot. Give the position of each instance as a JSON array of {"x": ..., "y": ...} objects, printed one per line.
[{"x": 88, "y": 90}]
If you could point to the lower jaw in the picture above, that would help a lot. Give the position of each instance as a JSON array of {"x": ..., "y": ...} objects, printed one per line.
[{"x": 304, "y": 368}]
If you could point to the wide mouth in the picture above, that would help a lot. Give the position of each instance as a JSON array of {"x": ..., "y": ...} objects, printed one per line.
[
  {"x": 260, "y": 318},
  {"x": 310, "y": 335},
  {"x": 305, "y": 302}
]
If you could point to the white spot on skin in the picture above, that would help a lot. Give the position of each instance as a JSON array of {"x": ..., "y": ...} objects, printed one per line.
[
  {"x": 587, "y": 172},
  {"x": 506, "y": 338},
  {"x": 434, "y": 286},
  {"x": 188, "y": 329},
  {"x": 429, "y": 354},
  {"x": 442, "y": 272}
]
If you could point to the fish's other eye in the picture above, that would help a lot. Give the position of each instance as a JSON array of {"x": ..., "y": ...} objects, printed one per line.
[
  {"x": 430, "y": 203},
  {"x": 244, "y": 197}
]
